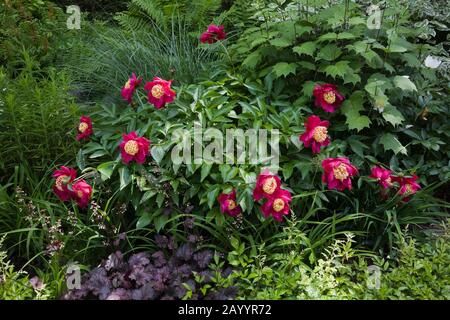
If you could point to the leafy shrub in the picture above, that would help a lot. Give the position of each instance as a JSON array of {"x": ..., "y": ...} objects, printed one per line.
[
  {"x": 28, "y": 30},
  {"x": 421, "y": 272},
  {"x": 36, "y": 120},
  {"x": 166, "y": 274},
  {"x": 16, "y": 285}
]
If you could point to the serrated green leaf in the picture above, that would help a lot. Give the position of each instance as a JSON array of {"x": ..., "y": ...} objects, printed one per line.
[
  {"x": 284, "y": 69},
  {"x": 390, "y": 142},
  {"x": 306, "y": 48},
  {"x": 340, "y": 69},
  {"x": 329, "y": 53},
  {"x": 351, "y": 109}
]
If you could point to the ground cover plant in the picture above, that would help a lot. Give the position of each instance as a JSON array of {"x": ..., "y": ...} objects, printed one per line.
[{"x": 225, "y": 150}]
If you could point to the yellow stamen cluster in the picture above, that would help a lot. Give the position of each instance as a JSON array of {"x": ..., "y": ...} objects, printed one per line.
[
  {"x": 320, "y": 134},
  {"x": 270, "y": 185},
  {"x": 131, "y": 148},
  {"x": 408, "y": 188},
  {"x": 278, "y": 205},
  {"x": 340, "y": 172},
  {"x": 329, "y": 97},
  {"x": 82, "y": 127},
  {"x": 80, "y": 194},
  {"x": 128, "y": 84},
  {"x": 231, "y": 204},
  {"x": 157, "y": 91},
  {"x": 59, "y": 182}
]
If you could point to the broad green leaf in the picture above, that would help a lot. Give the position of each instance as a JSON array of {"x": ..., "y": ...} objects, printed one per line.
[
  {"x": 404, "y": 83},
  {"x": 252, "y": 60},
  {"x": 392, "y": 115},
  {"x": 206, "y": 168},
  {"x": 161, "y": 221},
  {"x": 143, "y": 221},
  {"x": 284, "y": 69},
  {"x": 390, "y": 142},
  {"x": 81, "y": 163},
  {"x": 306, "y": 48},
  {"x": 106, "y": 169},
  {"x": 280, "y": 42},
  {"x": 157, "y": 153},
  {"x": 125, "y": 177}
]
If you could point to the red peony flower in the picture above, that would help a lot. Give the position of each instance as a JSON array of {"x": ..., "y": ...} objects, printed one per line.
[
  {"x": 84, "y": 128},
  {"x": 159, "y": 92},
  {"x": 228, "y": 204},
  {"x": 316, "y": 134},
  {"x": 383, "y": 176},
  {"x": 408, "y": 186},
  {"x": 213, "y": 34},
  {"x": 266, "y": 186},
  {"x": 277, "y": 205},
  {"x": 82, "y": 193},
  {"x": 134, "y": 147},
  {"x": 337, "y": 173},
  {"x": 130, "y": 87},
  {"x": 63, "y": 177},
  {"x": 327, "y": 97}
]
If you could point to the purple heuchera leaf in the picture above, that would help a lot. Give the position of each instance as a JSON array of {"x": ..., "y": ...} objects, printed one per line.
[
  {"x": 159, "y": 259},
  {"x": 161, "y": 275},
  {"x": 146, "y": 292},
  {"x": 203, "y": 258},
  {"x": 114, "y": 261},
  {"x": 139, "y": 260},
  {"x": 99, "y": 284},
  {"x": 185, "y": 252},
  {"x": 119, "y": 294}
]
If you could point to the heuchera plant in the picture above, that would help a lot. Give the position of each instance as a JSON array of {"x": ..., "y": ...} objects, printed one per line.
[{"x": 165, "y": 274}]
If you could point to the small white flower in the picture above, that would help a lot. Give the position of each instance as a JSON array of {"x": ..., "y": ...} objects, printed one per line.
[{"x": 432, "y": 62}]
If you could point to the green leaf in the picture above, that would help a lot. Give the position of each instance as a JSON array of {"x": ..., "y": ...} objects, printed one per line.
[
  {"x": 157, "y": 153},
  {"x": 252, "y": 60},
  {"x": 351, "y": 108},
  {"x": 147, "y": 196},
  {"x": 280, "y": 42},
  {"x": 390, "y": 142},
  {"x": 206, "y": 168},
  {"x": 339, "y": 69},
  {"x": 306, "y": 48},
  {"x": 284, "y": 69},
  {"x": 143, "y": 221},
  {"x": 160, "y": 222},
  {"x": 212, "y": 195},
  {"x": 125, "y": 177},
  {"x": 404, "y": 83},
  {"x": 97, "y": 154},
  {"x": 81, "y": 163},
  {"x": 392, "y": 115},
  {"x": 329, "y": 53},
  {"x": 106, "y": 170}
]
